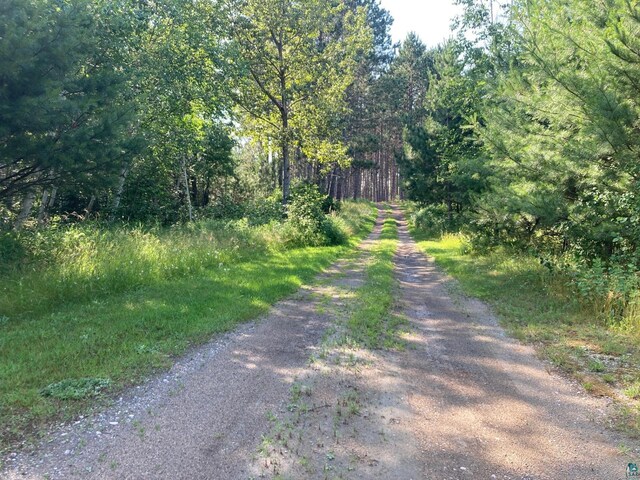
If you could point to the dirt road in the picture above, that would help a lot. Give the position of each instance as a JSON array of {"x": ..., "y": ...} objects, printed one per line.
[{"x": 279, "y": 399}]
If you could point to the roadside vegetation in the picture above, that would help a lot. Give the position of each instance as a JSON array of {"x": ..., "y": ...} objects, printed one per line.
[{"x": 111, "y": 305}]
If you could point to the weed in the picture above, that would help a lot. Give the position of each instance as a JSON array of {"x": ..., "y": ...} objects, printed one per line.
[
  {"x": 75, "y": 389},
  {"x": 298, "y": 390},
  {"x": 624, "y": 449},
  {"x": 633, "y": 391},
  {"x": 266, "y": 443},
  {"x": 271, "y": 416},
  {"x": 351, "y": 401},
  {"x": 596, "y": 366}
]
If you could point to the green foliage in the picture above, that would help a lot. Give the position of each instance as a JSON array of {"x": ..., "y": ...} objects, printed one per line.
[
  {"x": 441, "y": 162},
  {"x": 434, "y": 219},
  {"x": 63, "y": 94},
  {"x": 75, "y": 389},
  {"x": 557, "y": 130},
  {"x": 307, "y": 224},
  {"x": 295, "y": 62}
]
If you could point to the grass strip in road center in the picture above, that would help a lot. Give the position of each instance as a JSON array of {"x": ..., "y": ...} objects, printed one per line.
[{"x": 372, "y": 324}]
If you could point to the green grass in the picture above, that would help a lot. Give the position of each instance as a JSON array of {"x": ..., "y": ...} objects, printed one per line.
[
  {"x": 120, "y": 336},
  {"x": 541, "y": 308},
  {"x": 372, "y": 323}
]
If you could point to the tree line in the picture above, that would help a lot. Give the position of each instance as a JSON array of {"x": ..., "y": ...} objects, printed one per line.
[
  {"x": 159, "y": 110},
  {"x": 529, "y": 136}
]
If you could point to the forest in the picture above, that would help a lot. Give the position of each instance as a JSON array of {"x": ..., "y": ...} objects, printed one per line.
[{"x": 147, "y": 142}]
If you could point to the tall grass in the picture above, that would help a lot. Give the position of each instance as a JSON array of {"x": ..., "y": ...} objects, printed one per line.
[
  {"x": 44, "y": 269},
  {"x": 83, "y": 262}
]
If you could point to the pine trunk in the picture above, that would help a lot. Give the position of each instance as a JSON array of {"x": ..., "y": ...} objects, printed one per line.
[
  {"x": 87, "y": 211},
  {"x": 187, "y": 194}
]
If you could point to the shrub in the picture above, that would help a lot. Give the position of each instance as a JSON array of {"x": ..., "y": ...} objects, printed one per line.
[
  {"x": 264, "y": 210},
  {"x": 434, "y": 220},
  {"x": 307, "y": 224},
  {"x": 611, "y": 290}
]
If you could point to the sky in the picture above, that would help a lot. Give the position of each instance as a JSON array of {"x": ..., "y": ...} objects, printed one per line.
[{"x": 430, "y": 19}]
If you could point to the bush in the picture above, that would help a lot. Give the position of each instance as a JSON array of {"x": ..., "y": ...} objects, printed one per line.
[
  {"x": 265, "y": 210},
  {"x": 307, "y": 224},
  {"x": 434, "y": 220},
  {"x": 611, "y": 290},
  {"x": 12, "y": 250}
]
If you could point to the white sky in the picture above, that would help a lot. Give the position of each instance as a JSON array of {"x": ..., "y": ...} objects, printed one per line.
[{"x": 430, "y": 19}]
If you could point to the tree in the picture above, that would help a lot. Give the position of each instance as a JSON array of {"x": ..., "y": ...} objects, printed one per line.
[
  {"x": 297, "y": 59},
  {"x": 441, "y": 163},
  {"x": 64, "y": 118},
  {"x": 366, "y": 97}
]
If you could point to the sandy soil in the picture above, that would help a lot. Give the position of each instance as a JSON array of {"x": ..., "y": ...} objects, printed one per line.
[{"x": 281, "y": 398}]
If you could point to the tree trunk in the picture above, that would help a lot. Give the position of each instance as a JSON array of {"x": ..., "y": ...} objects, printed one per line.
[
  {"x": 449, "y": 205},
  {"x": 44, "y": 203},
  {"x": 52, "y": 198},
  {"x": 87, "y": 211},
  {"x": 355, "y": 175},
  {"x": 119, "y": 189},
  {"x": 25, "y": 211},
  {"x": 194, "y": 192},
  {"x": 286, "y": 173},
  {"x": 187, "y": 195}
]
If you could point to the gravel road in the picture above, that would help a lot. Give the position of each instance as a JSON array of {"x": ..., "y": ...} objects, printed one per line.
[{"x": 462, "y": 401}]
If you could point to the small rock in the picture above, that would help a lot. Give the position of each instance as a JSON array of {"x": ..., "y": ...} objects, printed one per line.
[{"x": 67, "y": 452}]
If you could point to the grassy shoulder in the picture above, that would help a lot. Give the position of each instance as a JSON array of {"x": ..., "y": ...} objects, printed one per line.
[
  {"x": 540, "y": 308},
  {"x": 66, "y": 354}
]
